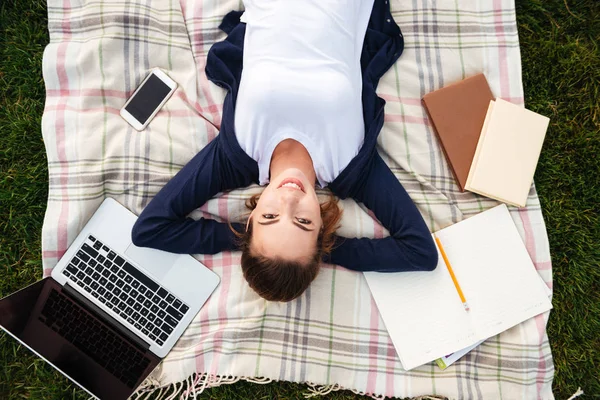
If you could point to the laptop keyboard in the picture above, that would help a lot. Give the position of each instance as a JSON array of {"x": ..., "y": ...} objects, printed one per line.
[
  {"x": 122, "y": 288},
  {"x": 100, "y": 343}
]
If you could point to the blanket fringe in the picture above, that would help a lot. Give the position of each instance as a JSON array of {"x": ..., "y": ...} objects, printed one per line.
[
  {"x": 260, "y": 381},
  {"x": 322, "y": 390},
  {"x": 315, "y": 390},
  {"x": 578, "y": 393},
  {"x": 195, "y": 384},
  {"x": 189, "y": 388},
  {"x": 148, "y": 387}
]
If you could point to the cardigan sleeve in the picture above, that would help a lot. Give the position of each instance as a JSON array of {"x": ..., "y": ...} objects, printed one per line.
[
  {"x": 410, "y": 246},
  {"x": 164, "y": 224}
]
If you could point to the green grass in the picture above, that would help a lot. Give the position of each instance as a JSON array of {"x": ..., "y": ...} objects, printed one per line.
[{"x": 561, "y": 73}]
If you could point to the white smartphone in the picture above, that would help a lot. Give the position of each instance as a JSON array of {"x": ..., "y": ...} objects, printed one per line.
[{"x": 148, "y": 99}]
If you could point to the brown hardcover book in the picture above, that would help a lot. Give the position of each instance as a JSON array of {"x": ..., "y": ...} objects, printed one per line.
[{"x": 457, "y": 113}]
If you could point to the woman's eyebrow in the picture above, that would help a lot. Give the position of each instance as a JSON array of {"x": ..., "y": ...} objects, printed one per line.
[
  {"x": 304, "y": 228},
  {"x": 299, "y": 225},
  {"x": 271, "y": 222}
]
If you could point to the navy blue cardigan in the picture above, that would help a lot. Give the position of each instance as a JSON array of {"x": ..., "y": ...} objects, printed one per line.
[{"x": 223, "y": 165}]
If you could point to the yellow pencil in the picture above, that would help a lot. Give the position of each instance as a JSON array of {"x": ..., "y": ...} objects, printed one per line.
[{"x": 458, "y": 289}]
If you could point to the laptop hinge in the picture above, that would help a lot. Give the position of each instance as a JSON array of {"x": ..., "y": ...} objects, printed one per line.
[{"x": 105, "y": 317}]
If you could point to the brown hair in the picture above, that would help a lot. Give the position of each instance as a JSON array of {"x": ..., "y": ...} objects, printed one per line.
[{"x": 283, "y": 280}]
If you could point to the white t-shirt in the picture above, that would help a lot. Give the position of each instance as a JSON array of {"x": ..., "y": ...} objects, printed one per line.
[{"x": 302, "y": 80}]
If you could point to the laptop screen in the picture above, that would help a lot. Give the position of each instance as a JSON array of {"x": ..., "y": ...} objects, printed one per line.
[
  {"x": 74, "y": 340},
  {"x": 16, "y": 309}
]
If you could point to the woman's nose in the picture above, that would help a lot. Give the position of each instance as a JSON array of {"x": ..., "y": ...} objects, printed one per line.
[{"x": 290, "y": 197}]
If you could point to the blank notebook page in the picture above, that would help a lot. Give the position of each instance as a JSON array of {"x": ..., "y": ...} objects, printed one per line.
[
  {"x": 507, "y": 153},
  {"x": 422, "y": 310}
]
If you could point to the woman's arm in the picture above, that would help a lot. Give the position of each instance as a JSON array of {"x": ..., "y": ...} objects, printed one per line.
[
  {"x": 409, "y": 247},
  {"x": 164, "y": 224}
]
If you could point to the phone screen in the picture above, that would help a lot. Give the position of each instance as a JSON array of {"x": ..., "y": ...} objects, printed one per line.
[{"x": 143, "y": 104}]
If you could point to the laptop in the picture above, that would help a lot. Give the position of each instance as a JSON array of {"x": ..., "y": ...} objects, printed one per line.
[{"x": 110, "y": 311}]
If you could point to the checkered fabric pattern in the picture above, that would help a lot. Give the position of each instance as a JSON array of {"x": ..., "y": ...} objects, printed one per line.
[{"x": 100, "y": 50}]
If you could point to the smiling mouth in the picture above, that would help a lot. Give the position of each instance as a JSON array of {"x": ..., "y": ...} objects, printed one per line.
[{"x": 291, "y": 183}]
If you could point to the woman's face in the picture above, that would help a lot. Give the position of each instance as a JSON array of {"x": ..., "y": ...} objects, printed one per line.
[{"x": 287, "y": 218}]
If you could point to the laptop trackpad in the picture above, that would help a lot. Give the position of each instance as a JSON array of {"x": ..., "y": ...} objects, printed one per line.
[{"x": 156, "y": 262}]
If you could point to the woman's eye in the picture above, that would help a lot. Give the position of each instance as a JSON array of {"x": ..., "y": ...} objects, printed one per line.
[
  {"x": 303, "y": 221},
  {"x": 269, "y": 216}
]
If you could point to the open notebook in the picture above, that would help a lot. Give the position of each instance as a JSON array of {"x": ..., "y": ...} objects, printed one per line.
[{"x": 422, "y": 311}]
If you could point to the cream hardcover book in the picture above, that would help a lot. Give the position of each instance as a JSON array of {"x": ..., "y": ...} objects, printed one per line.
[
  {"x": 507, "y": 153},
  {"x": 422, "y": 311}
]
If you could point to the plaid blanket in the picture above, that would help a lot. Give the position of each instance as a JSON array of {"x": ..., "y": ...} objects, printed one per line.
[{"x": 332, "y": 337}]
